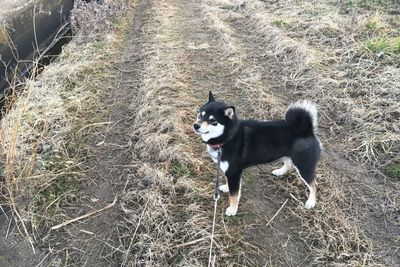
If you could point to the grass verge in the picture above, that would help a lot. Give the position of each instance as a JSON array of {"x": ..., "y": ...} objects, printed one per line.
[{"x": 44, "y": 135}]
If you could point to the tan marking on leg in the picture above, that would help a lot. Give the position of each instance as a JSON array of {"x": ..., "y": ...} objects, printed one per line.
[
  {"x": 234, "y": 202},
  {"x": 312, "y": 197},
  {"x": 233, "y": 205}
]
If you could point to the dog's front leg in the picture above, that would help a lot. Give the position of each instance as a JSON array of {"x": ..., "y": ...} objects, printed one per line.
[{"x": 234, "y": 183}]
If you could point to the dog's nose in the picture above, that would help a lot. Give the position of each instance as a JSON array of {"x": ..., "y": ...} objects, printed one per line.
[{"x": 196, "y": 126}]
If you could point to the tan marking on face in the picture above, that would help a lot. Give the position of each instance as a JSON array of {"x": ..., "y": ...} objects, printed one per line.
[{"x": 204, "y": 124}]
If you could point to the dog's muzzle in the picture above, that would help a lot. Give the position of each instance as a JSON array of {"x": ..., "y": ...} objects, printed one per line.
[{"x": 197, "y": 127}]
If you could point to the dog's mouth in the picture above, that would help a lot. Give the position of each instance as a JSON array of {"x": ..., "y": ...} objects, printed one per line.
[{"x": 206, "y": 132}]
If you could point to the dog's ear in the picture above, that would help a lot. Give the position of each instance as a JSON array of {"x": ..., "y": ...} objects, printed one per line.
[
  {"x": 230, "y": 112},
  {"x": 210, "y": 97}
]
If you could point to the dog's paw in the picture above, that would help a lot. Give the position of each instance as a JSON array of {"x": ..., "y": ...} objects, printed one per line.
[
  {"x": 279, "y": 172},
  {"x": 310, "y": 203},
  {"x": 231, "y": 211},
  {"x": 224, "y": 188}
]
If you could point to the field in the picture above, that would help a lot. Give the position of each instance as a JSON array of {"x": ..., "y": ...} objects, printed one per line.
[{"x": 100, "y": 165}]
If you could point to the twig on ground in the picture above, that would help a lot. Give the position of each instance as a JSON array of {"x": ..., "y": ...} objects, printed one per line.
[
  {"x": 45, "y": 257},
  {"x": 86, "y": 232},
  {"x": 8, "y": 228},
  {"x": 124, "y": 71},
  {"x": 94, "y": 124},
  {"x": 296, "y": 199},
  {"x": 273, "y": 217},
  {"x": 5, "y": 214},
  {"x": 249, "y": 245},
  {"x": 192, "y": 242},
  {"x": 84, "y": 216}
]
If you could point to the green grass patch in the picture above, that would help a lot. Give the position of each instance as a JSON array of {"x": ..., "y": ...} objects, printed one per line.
[
  {"x": 385, "y": 45},
  {"x": 393, "y": 170},
  {"x": 372, "y": 3},
  {"x": 373, "y": 24},
  {"x": 117, "y": 23},
  {"x": 349, "y": 3},
  {"x": 63, "y": 185},
  {"x": 179, "y": 169},
  {"x": 279, "y": 22},
  {"x": 45, "y": 206}
]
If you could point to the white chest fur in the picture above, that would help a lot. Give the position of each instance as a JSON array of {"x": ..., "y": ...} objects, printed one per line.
[
  {"x": 224, "y": 165},
  {"x": 213, "y": 153}
]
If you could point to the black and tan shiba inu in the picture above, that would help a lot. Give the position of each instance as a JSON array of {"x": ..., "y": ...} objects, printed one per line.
[{"x": 245, "y": 143}]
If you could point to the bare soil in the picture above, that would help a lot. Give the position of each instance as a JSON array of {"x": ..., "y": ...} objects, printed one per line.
[{"x": 148, "y": 157}]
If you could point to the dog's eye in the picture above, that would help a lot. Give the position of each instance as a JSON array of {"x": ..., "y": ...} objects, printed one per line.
[{"x": 212, "y": 121}]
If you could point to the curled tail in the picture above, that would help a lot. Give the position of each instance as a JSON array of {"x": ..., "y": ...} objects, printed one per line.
[{"x": 301, "y": 118}]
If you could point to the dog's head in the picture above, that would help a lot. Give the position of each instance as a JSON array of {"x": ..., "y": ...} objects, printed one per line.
[{"x": 214, "y": 121}]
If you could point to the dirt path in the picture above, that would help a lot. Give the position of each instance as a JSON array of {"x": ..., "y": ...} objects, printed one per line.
[{"x": 93, "y": 242}]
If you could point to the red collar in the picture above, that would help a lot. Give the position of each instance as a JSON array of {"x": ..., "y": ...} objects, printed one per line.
[{"x": 216, "y": 145}]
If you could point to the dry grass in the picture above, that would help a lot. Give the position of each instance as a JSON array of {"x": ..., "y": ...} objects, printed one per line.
[
  {"x": 93, "y": 20},
  {"x": 42, "y": 145},
  {"x": 8, "y": 6}
]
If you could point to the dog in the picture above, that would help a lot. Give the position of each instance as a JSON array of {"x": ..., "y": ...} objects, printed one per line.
[{"x": 246, "y": 143}]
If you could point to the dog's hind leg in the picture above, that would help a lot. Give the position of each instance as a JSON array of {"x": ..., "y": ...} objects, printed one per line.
[
  {"x": 306, "y": 170},
  {"x": 306, "y": 153},
  {"x": 287, "y": 166},
  {"x": 312, "y": 198},
  {"x": 310, "y": 183}
]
